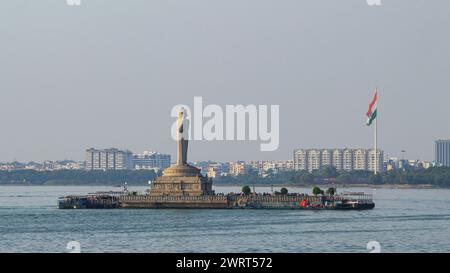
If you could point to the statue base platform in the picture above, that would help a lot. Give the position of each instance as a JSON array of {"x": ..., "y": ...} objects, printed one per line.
[{"x": 184, "y": 180}]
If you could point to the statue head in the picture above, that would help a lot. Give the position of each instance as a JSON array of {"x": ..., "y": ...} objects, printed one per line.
[
  {"x": 182, "y": 113},
  {"x": 183, "y": 124},
  {"x": 180, "y": 128}
]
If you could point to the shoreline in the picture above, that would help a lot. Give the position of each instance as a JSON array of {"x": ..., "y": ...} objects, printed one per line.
[
  {"x": 323, "y": 186},
  {"x": 362, "y": 185}
]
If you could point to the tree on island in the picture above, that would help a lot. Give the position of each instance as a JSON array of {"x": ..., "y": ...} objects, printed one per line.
[
  {"x": 376, "y": 179},
  {"x": 246, "y": 190},
  {"x": 344, "y": 178},
  {"x": 331, "y": 191},
  {"x": 317, "y": 191},
  {"x": 284, "y": 191},
  {"x": 303, "y": 178},
  {"x": 329, "y": 172}
]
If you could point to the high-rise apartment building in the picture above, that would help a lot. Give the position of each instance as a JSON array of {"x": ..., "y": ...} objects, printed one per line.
[
  {"x": 108, "y": 159},
  {"x": 360, "y": 160},
  {"x": 341, "y": 159},
  {"x": 443, "y": 153},
  {"x": 151, "y": 161},
  {"x": 314, "y": 159},
  {"x": 327, "y": 158},
  {"x": 347, "y": 160},
  {"x": 300, "y": 159},
  {"x": 338, "y": 159},
  {"x": 375, "y": 161}
]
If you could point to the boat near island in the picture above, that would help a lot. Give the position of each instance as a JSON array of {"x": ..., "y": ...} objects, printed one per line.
[{"x": 183, "y": 187}]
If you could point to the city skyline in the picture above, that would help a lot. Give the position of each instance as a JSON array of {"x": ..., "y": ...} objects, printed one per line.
[
  {"x": 70, "y": 82},
  {"x": 385, "y": 155},
  {"x": 150, "y": 153}
]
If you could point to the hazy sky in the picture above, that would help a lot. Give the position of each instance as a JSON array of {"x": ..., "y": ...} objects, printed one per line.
[{"x": 107, "y": 73}]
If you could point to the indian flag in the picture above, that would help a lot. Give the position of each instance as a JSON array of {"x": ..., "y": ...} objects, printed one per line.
[{"x": 372, "y": 112}]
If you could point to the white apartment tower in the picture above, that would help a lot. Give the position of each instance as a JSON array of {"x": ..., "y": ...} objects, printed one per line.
[
  {"x": 300, "y": 160},
  {"x": 151, "y": 161},
  {"x": 360, "y": 160},
  {"x": 327, "y": 158},
  {"x": 341, "y": 159},
  {"x": 314, "y": 160},
  {"x": 347, "y": 160},
  {"x": 338, "y": 159},
  {"x": 108, "y": 159},
  {"x": 375, "y": 160}
]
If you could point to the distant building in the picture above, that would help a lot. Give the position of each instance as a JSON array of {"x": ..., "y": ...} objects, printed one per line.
[
  {"x": 347, "y": 160},
  {"x": 285, "y": 166},
  {"x": 314, "y": 158},
  {"x": 151, "y": 161},
  {"x": 403, "y": 164},
  {"x": 375, "y": 161},
  {"x": 341, "y": 159},
  {"x": 425, "y": 164},
  {"x": 391, "y": 164},
  {"x": 239, "y": 168},
  {"x": 443, "y": 153},
  {"x": 225, "y": 168},
  {"x": 44, "y": 166},
  {"x": 260, "y": 168},
  {"x": 214, "y": 171},
  {"x": 202, "y": 165},
  {"x": 338, "y": 159},
  {"x": 218, "y": 167},
  {"x": 301, "y": 160},
  {"x": 360, "y": 160},
  {"x": 108, "y": 159},
  {"x": 327, "y": 158},
  {"x": 61, "y": 165}
]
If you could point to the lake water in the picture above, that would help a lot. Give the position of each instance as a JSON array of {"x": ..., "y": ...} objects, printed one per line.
[{"x": 404, "y": 220}]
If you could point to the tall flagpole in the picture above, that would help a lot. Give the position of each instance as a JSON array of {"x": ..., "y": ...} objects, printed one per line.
[{"x": 376, "y": 135}]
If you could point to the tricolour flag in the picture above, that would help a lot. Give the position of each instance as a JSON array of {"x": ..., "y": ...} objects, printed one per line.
[{"x": 372, "y": 112}]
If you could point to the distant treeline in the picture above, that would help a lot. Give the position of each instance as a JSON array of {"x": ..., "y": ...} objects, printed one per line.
[
  {"x": 436, "y": 176},
  {"x": 76, "y": 177}
]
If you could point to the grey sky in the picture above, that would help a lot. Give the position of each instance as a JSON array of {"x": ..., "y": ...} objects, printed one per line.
[{"x": 107, "y": 74}]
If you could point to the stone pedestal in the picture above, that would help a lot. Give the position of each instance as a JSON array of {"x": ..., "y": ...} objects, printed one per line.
[{"x": 182, "y": 180}]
